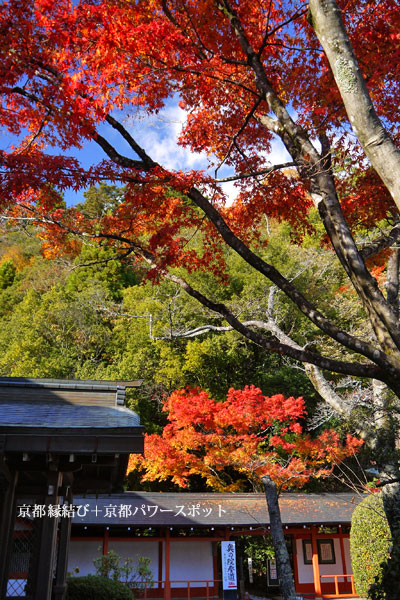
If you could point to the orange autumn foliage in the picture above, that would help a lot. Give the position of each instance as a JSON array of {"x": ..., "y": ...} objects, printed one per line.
[
  {"x": 65, "y": 66},
  {"x": 249, "y": 433},
  {"x": 245, "y": 74}
]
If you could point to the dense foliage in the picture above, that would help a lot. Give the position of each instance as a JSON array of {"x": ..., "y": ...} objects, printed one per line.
[
  {"x": 94, "y": 587},
  {"x": 370, "y": 542},
  {"x": 242, "y": 439},
  {"x": 133, "y": 572},
  {"x": 93, "y": 322}
]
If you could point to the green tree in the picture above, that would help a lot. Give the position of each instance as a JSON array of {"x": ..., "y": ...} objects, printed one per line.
[
  {"x": 7, "y": 274},
  {"x": 100, "y": 200},
  {"x": 370, "y": 542}
]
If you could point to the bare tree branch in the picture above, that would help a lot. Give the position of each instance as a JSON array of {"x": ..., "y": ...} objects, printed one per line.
[{"x": 256, "y": 174}]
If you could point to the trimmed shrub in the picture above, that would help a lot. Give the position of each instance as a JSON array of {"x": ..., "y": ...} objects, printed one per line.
[
  {"x": 370, "y": 541},
  {"x": 93, "y": 587}
]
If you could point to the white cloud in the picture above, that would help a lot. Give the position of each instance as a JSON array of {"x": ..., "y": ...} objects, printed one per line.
[{"x": 158, "y": 135}]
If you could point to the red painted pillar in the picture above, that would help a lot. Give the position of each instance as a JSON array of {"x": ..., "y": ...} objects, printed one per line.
[
  {"x": 315, "y": 564},
  {"x": 105, "y": 542},
  {"x": 343, "y": 555},
  {"x": 167, "y": 593},
  {"x": 160, "y": 563}
]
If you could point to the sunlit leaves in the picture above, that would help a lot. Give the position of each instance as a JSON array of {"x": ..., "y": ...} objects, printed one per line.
[{"x": 248, "y": 434}]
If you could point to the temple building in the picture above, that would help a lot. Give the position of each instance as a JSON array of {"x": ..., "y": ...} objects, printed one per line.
[{"x": 64, "y": 453}]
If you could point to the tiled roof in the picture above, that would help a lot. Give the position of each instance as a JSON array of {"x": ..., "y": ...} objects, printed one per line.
[
  {"x": 94, "y": 384},
  {"x": 62, "y": 415},
  {"x": 154, "y": 509},
  {"x": 64, "y": 404}
]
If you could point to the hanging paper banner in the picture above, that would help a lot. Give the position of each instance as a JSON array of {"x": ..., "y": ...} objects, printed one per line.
[{"x": 228, "y": 556}]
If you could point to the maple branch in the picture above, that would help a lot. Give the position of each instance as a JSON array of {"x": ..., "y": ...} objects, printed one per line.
[
  {"x": 296, "y": 15},
  {"x": 265, "y": 171},
  {"x": 169, "y": 14},
  {"x": 236, "y": 135},
  {"x": 36, "y": 134},
  {"x": 323, "y": 192},
  {"x": 264, "y": 41},
  {"x": 116, "y": 157},
  {"x": 19, "y": 90},
  {"x": 348, "y": 368},
  {"x": 147, "y": 161},
  {"x": 286, "y": 286},
  {"x": 202, "y": 44},
  {"x": 145, "y": 164},
  {"x": 210, "y": 75},
  {"x": 103, "y": 260},
  {"x": 382, "y": 242}
]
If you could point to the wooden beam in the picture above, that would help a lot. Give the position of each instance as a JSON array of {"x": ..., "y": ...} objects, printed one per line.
[
  {"x": 160, "y": 563},
  {"x": 60, "y": 585},
  {"x": 342, "y": 553},
  {"x": 47, "y": 543},
  {"x": 83, "y": 443}
]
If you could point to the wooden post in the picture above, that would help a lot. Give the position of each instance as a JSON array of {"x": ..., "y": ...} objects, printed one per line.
[
  {"x": 48, "y": 539},
  {"x": 105, "y": 542},
  {"x": 295, "y": 563},
  {"x": 60, "y": 585},
  {"x": 342, "y": 553},
  {"x": 160, "y": 564},
  {"x": 7, "y": 521},
  {"x": 167, "y": 592},
  {"x": 215, "y": 569},
  {"x": 315, "y": 564}
]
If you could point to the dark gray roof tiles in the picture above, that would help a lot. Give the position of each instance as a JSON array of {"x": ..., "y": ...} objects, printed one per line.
[
  {"x": 68, "y": 384},
  {"x": 62, "y": 415},
  {"x": 211, "y": 509},
  {"x": 56, "y": 404}
]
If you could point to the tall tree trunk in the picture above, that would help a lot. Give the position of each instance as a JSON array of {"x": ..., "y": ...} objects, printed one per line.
[
  {"x": 385, "y": 448},
  {"x": 325, "y": 18},
  {"x": 392, "y": 283},
  {"x": 285, "y": 574}
]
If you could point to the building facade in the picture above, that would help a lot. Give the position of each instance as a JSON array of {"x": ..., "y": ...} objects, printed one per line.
[{"x": 180, "y": 534}]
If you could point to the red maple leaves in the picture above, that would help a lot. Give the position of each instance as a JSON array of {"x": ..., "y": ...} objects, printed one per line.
[
  {"x": 248, "y": 434},
  {"x": 66, "y": 66}
]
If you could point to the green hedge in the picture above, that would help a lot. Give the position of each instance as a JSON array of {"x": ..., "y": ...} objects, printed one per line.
[
  {"x": 93, "y": 587},
  {"x": 370, "y": 540}
]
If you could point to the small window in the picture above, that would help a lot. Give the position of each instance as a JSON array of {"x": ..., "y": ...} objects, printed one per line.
[{"x": 326, "y": 552}]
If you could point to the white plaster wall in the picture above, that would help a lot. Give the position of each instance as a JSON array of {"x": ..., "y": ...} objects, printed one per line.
[
  {"x": 133, "y": 549},
  {"x": 306, "y": 571},
  {"x": 190, "y": 561},
  {"x": 81, "y": 555}
]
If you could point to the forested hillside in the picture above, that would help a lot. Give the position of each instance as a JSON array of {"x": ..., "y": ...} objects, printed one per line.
[{"x": 87, "y": 315}]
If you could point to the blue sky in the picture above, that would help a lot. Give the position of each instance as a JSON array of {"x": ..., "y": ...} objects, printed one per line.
[{"x": 158, "y": 135}]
